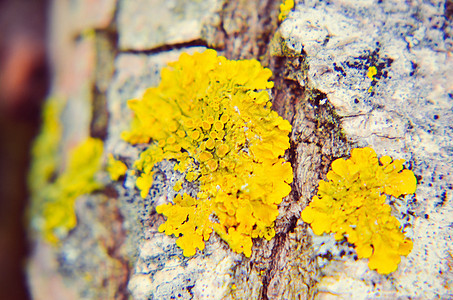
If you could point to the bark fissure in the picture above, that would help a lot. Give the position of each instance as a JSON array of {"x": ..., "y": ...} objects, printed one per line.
[{"x": 245, "y": 31}]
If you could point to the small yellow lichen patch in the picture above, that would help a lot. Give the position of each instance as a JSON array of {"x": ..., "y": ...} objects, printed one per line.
[
  {"x": 372, "y": 71},
  {"x": 285, "y": 8},
  {"x": 352, "y": 204},
  {"x": 115, "y": 168},
  {"x": 209, "y": 116},
  {"x": 178, "y": 186},
  {"x": 144, "y": 183}
]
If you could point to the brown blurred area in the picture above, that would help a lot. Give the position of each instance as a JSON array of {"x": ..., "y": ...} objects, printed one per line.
[{"x": 24, "y": 82}]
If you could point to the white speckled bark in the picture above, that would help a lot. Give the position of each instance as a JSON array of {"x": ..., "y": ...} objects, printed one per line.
[{"x": 408, "y": 115}]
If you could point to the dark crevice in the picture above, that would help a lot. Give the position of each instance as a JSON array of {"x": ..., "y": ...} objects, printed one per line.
[
  {"x": 292, "y": 224},
  {"x": 114, "y": 251},
  {"x": 292, "y": 158},
  {"x": 221, "y": 26},
  {"x": 273, "y": 267},
  {"x": 168, "y": 47},
  {"x": 449, "y": 9},
  {"x": 100, "y": 115},
  {"x": 315, "y": 123},
  {"x": 110, "y": 191},
  {"x": 106, "y": 50}
]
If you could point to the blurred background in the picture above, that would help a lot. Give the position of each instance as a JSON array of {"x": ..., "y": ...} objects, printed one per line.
[{"x": 24, "y": 83}]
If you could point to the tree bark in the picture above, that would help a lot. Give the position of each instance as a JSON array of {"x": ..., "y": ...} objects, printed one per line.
[{"x": 108, "y": 53}]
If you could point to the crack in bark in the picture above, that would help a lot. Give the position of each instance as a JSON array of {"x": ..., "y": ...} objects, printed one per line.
[
  {"x": 167, "y": 47},
  {"x": 245, "y": 31},
  {"x": 105, "y": 43},
  {"x": 114, "y": 245}
]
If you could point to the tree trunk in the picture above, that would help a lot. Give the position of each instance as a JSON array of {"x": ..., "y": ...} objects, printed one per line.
[{"x": 109, "y": 52}]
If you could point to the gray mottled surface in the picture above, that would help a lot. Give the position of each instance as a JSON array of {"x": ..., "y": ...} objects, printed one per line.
[
  {"x": 407, "y": 115},
  {"x": 146, "y": 24}
]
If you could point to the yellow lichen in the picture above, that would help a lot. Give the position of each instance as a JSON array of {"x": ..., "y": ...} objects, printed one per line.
[
  {"x": 209, "y": 116},
  {"x": 54, "y": 190},
  {"x": 352, "y": 204},
  {"x": 115, "y": 168},
  {"x": 178, "y": 186},
  {"x": 372, "y": 71},
  {"x": 45, "y": 148},
  {"x": 285, "y": 8},
  {"x": 56, "y": 202},
  {"x": 77, "y": 179}
]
